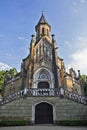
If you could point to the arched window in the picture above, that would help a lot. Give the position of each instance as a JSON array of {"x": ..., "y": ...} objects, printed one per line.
[
  {"x": 38, "y": 32},
  {"x": 43, "y": 31},
  {"x": 45, "y": 50},
  {"x": 48, "y": 53},
  {"x": 47, "y": 32},
  {"x": 40, "y": 50},
  {"x": 36, "y": 54}
]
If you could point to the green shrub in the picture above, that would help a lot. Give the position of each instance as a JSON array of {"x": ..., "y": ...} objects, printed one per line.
[
  {"x": 13, "y": 123},
  {"x": 73, "y": 123}
]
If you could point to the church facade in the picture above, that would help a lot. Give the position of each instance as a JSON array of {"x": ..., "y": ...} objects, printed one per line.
[
  {"x": 43, "y": 92},
  {"x": 43, "y": 68}
]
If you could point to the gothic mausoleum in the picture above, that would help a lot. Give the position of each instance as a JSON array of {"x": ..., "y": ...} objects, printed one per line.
[{"x": 43, "y": 92}]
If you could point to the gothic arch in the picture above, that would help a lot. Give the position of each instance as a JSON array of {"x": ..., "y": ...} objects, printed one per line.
[
  {"x": 43, "y": 102},
  {"x": 43, "y": 75}
]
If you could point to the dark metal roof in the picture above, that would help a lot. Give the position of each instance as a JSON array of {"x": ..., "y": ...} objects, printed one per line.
[{"x": 43, "y": 20}]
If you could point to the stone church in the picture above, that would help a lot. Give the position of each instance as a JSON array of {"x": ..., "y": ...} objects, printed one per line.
[
  {"x": 43, "y": 68},
  {"x": 43, "y": 92}
]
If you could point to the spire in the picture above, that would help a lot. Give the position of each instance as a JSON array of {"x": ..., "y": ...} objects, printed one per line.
[{"x": 42, "y": 20}]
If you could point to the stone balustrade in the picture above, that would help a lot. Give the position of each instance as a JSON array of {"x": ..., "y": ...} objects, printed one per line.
[{"x": 60, "y": 92}]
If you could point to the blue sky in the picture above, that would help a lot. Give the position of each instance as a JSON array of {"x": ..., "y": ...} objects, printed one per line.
[{"x": 68, "y": 20}]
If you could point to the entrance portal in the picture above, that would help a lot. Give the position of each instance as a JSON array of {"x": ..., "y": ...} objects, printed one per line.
[
  {"x": 44, "y": 113},
  {"x": 43, "y": 85}
]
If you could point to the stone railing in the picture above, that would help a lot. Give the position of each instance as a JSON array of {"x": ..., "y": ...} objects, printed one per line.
[{"x": 57, "y": 92}]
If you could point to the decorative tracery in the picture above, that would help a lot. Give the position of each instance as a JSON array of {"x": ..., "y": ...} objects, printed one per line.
[{"x": 44, "y": 75}]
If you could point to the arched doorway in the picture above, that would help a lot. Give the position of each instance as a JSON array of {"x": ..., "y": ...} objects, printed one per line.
[
  {"x": 43, "y": 85},
  {"x": 43, "y": 113}
]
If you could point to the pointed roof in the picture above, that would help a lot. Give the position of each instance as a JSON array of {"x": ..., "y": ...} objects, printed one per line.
[{"x": 43, "y": 20}]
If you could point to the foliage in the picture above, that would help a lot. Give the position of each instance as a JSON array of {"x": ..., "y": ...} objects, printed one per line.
[
  {"x": 60, "y": 123},
  {"x": 73, "y": 123},
  {"x": 2, "y": 75},
  {"x": 84, "y": 78},
  {"x": 84, "y": 83},
  {"x": 13, "y": 123},
  {"x": 11, "y": 72}
]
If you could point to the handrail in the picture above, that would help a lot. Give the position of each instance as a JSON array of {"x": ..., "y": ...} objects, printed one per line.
[{"x": 57, "y": 92}]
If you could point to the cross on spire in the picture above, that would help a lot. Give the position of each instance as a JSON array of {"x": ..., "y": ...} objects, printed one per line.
[{"x": 42, "y": 12}]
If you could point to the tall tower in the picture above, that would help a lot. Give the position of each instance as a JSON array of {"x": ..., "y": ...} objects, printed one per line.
[
  {"x": 44, "y": 75},
  {"x": 43, "y": 46}
]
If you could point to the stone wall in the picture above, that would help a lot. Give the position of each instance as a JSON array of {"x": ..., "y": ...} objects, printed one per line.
[{"x": 24, "y": 109}]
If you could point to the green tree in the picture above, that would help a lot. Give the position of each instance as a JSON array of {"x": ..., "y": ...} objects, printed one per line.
[
  {"x": 11, "y": 73},
  {"x": 2, "y": 75},
  {"x": 84, "y": 83}
]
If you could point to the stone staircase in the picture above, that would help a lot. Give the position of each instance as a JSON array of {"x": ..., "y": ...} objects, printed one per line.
[{"x": 60, "y": 92}]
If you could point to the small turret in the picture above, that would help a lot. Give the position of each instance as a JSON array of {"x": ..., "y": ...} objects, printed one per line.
[
  {"x": 72, "y": 72},
  {"x": 32, "y": 47},
  {"x": 79, "y": 75}
]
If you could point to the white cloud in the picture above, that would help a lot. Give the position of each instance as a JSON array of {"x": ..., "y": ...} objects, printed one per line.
[
  {"x": 79, "y": 1},
  {"x": 68, "y": 66},
  {"x": 82, "y": 1},
  {"x": 77, "y": 6},
  {"x": 79, "y": 60},
  {"x": 79, "y": 57},
  {"x": 9, "y": 55},
  {"x": 4, "y": 66},
  {"x": 68, "y": 43},
  {"x": 22, "y": 38}
]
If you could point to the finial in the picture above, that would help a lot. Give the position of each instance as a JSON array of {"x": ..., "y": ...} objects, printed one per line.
[
  {"x": 42, "y": 12},
  {"x": 79, "y": 73},
  {"x": 53, "y": 37},
  {"x": 32, "y": 35}
]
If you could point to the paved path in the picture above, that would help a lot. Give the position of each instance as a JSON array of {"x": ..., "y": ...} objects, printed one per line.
[{"x": 43, "y": 128}]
